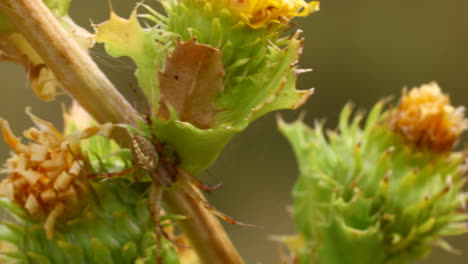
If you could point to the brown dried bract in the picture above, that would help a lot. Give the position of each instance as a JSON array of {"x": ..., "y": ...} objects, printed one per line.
[
  {"x": 426, "y": 119},
  {"x": 14, "y": 48},
  {"x": 191, "y": 80}
]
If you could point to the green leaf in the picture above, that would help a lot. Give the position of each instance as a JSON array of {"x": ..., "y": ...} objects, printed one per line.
[
  {"x": 14, "y": 257},
  {"x": 73, "y": 253},
  {"x": 7, "y": 235},
  {"x": 125, "y": 37},
  {"x": 169, "y": 253},
  {"x": 101, "y": 252},
  {"x": 58, "y": 7},
  {"x": 346, "y": 245},
  {"x": 13, "y": 208},
  {"x": 129, "y": 252},
  {"x": 272, "y": 88},
  {"x": 39, "y": 259},
  {"x": 197, "y": 148}
]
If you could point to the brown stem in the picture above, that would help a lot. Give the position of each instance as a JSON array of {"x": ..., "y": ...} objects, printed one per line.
[
  {"x": 199, "y": 227},
  {"x": 85, "y": 82},
  {"x": 72, "y": 66}
]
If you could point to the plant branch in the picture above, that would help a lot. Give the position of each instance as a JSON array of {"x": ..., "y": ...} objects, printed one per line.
[
  {"x": 72, "y": 66},
  {"x": 86, "y": 83},
  {"x": 201, "y": 230}
]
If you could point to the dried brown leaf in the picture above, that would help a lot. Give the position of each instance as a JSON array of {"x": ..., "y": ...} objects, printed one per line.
[
  {"x": 14, "y": 48},
  {"x": 190, "y": 82}
]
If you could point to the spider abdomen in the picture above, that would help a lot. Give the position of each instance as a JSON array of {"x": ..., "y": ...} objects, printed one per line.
[{"x": 144, "y": 153}]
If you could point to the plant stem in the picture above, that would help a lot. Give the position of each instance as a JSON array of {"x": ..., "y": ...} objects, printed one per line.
[
  {"x": 72, "y": 66},
  {"x": 199, "y": 228},
  {"x": 86, "y": 83}
]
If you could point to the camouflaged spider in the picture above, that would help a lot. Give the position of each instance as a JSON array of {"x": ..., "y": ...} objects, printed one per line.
[{"x": 148, "y": 155}]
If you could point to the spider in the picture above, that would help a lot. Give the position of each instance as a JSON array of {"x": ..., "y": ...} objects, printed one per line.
[{"x": 149, "y": 156}]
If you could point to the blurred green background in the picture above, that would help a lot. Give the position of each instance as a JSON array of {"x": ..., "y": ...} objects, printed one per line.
[{"x": 360, "y": 51}]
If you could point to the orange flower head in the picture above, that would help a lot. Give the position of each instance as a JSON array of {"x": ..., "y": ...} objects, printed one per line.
[{"x": 425, "y": 118}]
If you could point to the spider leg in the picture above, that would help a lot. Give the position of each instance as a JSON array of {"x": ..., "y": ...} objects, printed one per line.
[
  {"x": 194, "y": 195},
  {"x": 166, "y": 236},
  {"x": 155, "y": 209},
  {"x": 205, "y": 187},
  {"x": 90, "y": 174},
  {"x": 197, "y": 182},
  {"x": 157, "y": 144},
  {"x": 106, "y": 176}
]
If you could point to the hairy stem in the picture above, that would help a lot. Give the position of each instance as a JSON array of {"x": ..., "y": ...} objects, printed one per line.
[{"x": 86, "y": 83}]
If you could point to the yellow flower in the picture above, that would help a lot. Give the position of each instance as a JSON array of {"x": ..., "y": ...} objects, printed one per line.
[
  {"x": 258, "y": 13},
  {"x": 47, "y": 176},
  {"x": 425, "y": 118}
]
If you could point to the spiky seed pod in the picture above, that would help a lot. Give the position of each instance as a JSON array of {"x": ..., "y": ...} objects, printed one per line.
[
  {"x": 96, "y": 222},
  {"x": 370, "y": 195}
]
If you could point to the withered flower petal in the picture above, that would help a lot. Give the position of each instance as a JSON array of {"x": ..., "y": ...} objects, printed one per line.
[{"x": 48, "y": 176}]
